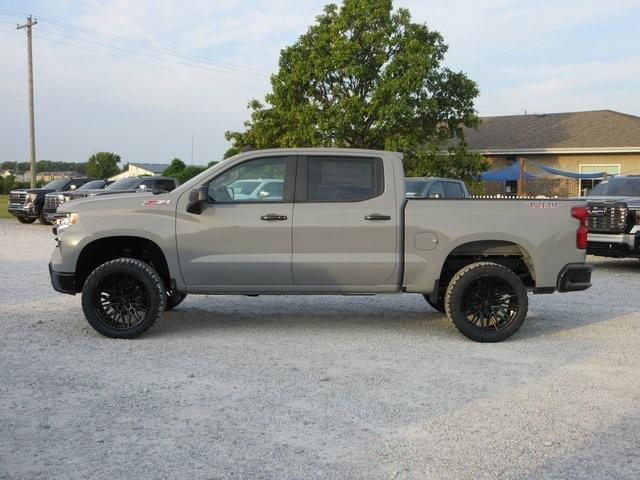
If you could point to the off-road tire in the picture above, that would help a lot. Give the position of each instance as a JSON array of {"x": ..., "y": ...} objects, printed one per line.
[
  {"x": 439, "y": 305},
  {"x": 25, "y": 219},
  {"x": 173, "y": 300},
  {"x": 125, "y": 280},
  {"x": 465, "y": 294}
]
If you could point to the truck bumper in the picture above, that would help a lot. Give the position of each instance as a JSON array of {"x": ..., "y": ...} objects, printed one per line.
[
  {"x": 614, "y": 245},
  {"x": 574, "y": 277},
  {"x": 63, "y": 282},
  {"x": 50, "y": 215},
  {"x": 21, "y": 210}
]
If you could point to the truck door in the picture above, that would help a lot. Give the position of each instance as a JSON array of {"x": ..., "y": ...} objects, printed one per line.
[
  {"x": 345, "y": 222},
  {"x": 240, "y": 238}
]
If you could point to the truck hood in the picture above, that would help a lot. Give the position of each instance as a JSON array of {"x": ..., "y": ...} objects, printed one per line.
[
  {"x": 31, "y": 190},
  {"x": 104, "y": 203}
]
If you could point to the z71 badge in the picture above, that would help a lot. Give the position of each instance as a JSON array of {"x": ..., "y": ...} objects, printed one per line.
[
  {"x": 543, "y": 204},
  {"x": 155, "y": 203}
]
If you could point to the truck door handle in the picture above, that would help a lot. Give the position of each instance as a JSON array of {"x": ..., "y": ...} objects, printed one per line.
[
  {"x": 272, "y": 217},
  {"x": 377, "y": 216}
]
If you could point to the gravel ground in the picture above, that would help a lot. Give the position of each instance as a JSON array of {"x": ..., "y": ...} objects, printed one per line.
[{"x": 315, "y": 387}]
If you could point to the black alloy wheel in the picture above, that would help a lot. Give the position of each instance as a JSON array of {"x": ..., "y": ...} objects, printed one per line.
[
  {"x": 122, "y": 298},
  {"x": 486, "y": 301}
]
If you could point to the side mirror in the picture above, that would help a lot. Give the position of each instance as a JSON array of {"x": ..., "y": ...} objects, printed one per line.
[
  {"x": 263, "y": 194},
  {"x": 435, "y": 195},
  {"x": 72, "y": 188},
  {"x": 197, "y": 198},
  {"x": 142, "y": 187}
]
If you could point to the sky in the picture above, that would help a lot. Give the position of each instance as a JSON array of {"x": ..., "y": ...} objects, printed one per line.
[{"x": 137, "y": 98}]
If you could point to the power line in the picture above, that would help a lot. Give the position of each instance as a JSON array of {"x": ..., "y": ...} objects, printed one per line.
[
  {"x": 144, "y": 63},
  {"x": 193, "y": 65},
  {"x": 138, "y": 44}
]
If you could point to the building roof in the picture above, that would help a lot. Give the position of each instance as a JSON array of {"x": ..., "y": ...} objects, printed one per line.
[
  {"x": 152, "y": 167},
  {"x": 597, "y": 131}
]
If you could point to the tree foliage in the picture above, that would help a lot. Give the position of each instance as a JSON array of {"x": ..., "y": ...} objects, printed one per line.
[
  {"x": 363, "y": 76},
  {"x": 103, "y": 165},
  {"x": 436, "y": 161},
  {"x": 177, "y": 169}
]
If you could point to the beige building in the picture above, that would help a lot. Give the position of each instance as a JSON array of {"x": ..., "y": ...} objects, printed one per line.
[
  {"x": 577, "y": 142},
  {"x": 142, "y": 170}
]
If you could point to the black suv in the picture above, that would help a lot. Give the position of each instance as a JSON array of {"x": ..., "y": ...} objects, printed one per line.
[
  {"x": 130, "y": 185},
  {"x": 27, "y": 205},
  {"x": 614, "y": 217}
]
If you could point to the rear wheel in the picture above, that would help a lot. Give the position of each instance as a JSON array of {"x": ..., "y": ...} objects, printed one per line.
[
  {"x": 486, "y": 302},
  {"x": 123, "y": 298},
  {"x": 26, "y": 219}
]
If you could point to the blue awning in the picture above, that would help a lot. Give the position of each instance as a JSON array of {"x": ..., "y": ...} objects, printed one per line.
[
  {"x": 508, "y": 174},
  {"x": 553, "y": 171}
]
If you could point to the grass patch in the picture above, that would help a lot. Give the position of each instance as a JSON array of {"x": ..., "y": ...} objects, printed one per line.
[{"x": 4, "y": 200}]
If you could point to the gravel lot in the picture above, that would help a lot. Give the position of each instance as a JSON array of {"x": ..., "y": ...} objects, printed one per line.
[{"x": 315, "y": 387}]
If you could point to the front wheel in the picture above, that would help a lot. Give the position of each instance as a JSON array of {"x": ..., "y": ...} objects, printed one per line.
[
  {"x": 43, "y": 218},
  {"x": 486, "y": 302},
  {"x": 123, "y": 298}
]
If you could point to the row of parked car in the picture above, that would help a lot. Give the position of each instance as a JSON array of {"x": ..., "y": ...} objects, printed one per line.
[{"x": 29, "y": 205}]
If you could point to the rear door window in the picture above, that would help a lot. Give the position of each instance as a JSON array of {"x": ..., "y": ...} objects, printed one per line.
[
  {"x": 436, "y": 190},
  {"x": 343, "y": 179},
  {"x": 453, "y": 190}
]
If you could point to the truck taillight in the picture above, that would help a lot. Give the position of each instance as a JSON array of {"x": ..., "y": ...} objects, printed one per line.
[{"x": 581, "y": 214}]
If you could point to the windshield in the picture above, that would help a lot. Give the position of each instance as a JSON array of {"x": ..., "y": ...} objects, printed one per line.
[
  {"x": 414, "y": 187},
  {"x": 94, "y": 184},
  {"x": 244, "y": 187},
  {"x": 617, "y": 187},
  {"x": 56, "y": 184},
  {"x": 124, "y": 184}
]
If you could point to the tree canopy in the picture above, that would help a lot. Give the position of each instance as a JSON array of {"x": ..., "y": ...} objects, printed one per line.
[
  {"x": 103, "y": 165},
  {"x": 363, "y": 76}
]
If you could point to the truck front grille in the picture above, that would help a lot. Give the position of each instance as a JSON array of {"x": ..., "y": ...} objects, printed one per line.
[
  {"x": 51, "y": 202},
  {"x": 608, "y": 218},
  {"x": 17, "y": 198}
]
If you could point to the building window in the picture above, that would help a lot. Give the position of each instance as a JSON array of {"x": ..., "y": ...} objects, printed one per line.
[
  {"x": 587, "y": 185},
  {"x": 511, "y": 187}
]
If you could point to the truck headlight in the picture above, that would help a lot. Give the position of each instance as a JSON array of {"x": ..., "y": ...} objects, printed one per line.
[
  {"x": 31, "y": 197},
  {"x": 66, "y": 221},
  {"x": 61, "y": 198}
]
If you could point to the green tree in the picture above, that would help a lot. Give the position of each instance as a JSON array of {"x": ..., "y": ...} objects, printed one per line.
[
  {"x": 438, "y": 161},
  {"x": 364, "y": 75},
  {"x": 189, "y": 172},
  {"x": 174, "y": 168},
  {"x": 103, "y": 165}
]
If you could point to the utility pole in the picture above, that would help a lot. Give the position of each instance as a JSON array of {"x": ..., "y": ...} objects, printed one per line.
[
  {"x": 32, "y": 129},
  {"x": 192, "y": 143}
]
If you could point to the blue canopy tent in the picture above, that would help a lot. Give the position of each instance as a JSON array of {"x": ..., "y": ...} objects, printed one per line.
[
  {"x": 577, "y": 176},
  {"x": 509, "y": 174}
]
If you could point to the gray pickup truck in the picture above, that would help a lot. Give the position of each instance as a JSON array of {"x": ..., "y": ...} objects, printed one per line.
[{"x": 341, "y": 224}]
